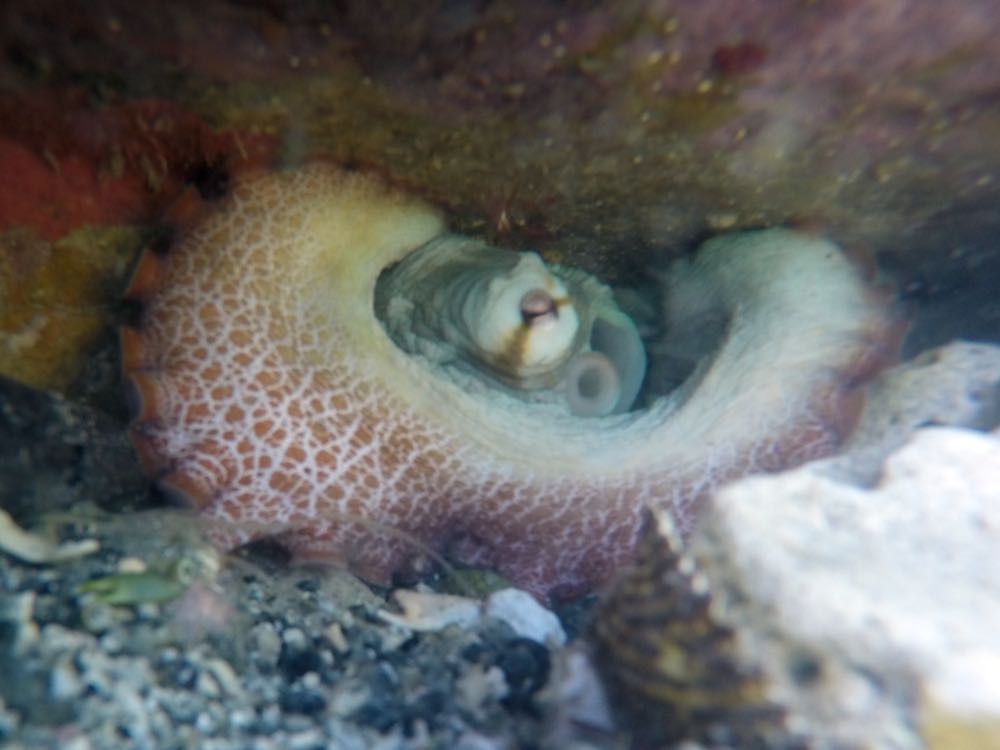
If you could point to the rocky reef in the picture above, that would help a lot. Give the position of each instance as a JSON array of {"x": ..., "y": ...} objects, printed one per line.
[
  {"x": 614, "y": 139},
  {"x": 614, "y": 135}
]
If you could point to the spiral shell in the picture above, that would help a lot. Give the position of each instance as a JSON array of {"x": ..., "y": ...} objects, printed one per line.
[{"x": 670, "y": 661}]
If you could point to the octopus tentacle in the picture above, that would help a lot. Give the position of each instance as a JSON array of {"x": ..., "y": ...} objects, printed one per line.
[{"x": 273, "y": 399}]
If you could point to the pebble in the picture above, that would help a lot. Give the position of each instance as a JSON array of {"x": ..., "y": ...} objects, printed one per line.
[
  {"x": 130, "y": 706},
  {"x": 111, "y": 643},
  {"x": 480, "y": 684},
  {"x": 17, "y": 609},
  {"x": 526, "y": 616},
  {"x": 294, "y": 639},
  {"x": 303, "y": 700},
  {"x": 525, "y": 664},
  {"x": 205, "y": 724},
  {"x": 98, "y": 617},
  {"x": 206, "y": 686},
  {"x": 335, "y": 634},
  {"x": 8, "y": 721},
  {"x": 265, "y": 643},
  {"x": 225, "y": 676},
  {"x": 347, "y": 698},
  {"x": 270, "y": 719},
  {"x": 310, "y": 739},
  {"x": 64, "y": 681},
  {"x": 182, "y": 706},
  {"x": 242, "y": 718},
  {"x": 478, "y": 741}
]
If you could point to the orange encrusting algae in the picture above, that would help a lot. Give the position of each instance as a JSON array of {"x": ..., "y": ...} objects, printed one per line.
[{"x": 270, "y": 397}]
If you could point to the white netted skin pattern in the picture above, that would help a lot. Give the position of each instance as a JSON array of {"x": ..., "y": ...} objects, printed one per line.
[{"x": 273, "y": 399}]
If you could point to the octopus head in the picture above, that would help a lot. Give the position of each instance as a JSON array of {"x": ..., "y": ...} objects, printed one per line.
[
  {"x": 539, "y": 332},
  {"x": 522, "y": 322}
]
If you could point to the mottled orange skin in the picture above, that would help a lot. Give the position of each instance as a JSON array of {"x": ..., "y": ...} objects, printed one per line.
[{"x": 271, "y": 399}]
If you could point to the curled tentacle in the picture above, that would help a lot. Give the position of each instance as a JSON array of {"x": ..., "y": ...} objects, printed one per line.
[{"x": 281, "y": 385}]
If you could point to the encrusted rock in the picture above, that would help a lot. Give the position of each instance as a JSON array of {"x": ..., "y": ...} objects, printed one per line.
[
  {"x": 957, "y": 385},
  {"x": 843, "y": 617}
]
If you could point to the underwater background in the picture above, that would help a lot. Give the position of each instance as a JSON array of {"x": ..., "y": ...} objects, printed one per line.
[{"x": 612, "y": 137}]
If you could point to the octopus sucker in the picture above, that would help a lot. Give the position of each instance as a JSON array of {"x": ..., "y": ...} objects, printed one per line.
[{"x": 382, "y": 373}]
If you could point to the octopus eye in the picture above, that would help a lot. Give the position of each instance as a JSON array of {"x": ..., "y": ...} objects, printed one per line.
[{"x": 538, "y": 309}]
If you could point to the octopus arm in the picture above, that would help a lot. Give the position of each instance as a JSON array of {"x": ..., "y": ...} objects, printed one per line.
[{"x": 270, "y": 396}]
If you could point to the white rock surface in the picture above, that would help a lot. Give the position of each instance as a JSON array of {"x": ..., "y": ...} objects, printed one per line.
[
  {"x": 863, "y": 605},
  {"x": 957, "y": 385},
  {"x": 526, "y": 616}
]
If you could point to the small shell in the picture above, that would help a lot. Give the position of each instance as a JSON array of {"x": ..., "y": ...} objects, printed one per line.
[
  {"x": 669, "y": 665},
  {"x": 36, "y": 549}
]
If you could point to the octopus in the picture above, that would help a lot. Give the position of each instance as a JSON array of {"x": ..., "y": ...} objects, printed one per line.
[{"x": 318, "y": 360}]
